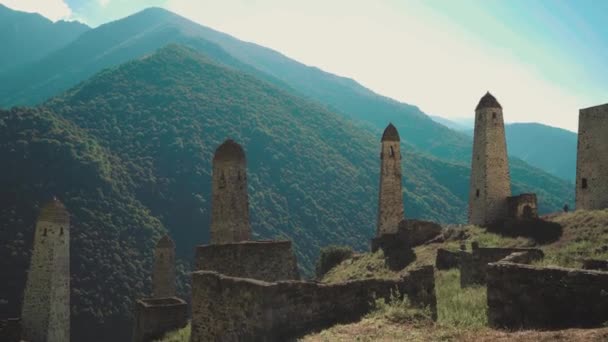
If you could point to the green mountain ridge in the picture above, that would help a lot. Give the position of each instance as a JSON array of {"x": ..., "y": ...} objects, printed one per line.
[{"x": 27, "y": 37}]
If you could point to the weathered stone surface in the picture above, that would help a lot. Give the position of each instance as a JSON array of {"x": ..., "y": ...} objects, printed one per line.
[
  {"x": 45, "y": 314},
  {"x": 417, "y": 232},
  {"x": 592, "y": 158},
  {"x": 10, "y": 330},
  {"x": 230, "y": 201},
  {"x": 595, "y": 264},
  {"x": 528, "y": 297},
  {"x": 522, "y": 206},
  {"x": 237, "y": 309},
  {"x": 397, "y": 251},
  {"x": 390, "y": 197},
  {"x": 262, "y": 260},
  {"x": 473, "y": 266},
  {"x": 447, "y": 259},
  {"x": 490, "y": 180},
  {"x": 163, "y": 275},
  {"x": 155, "y": 317}
]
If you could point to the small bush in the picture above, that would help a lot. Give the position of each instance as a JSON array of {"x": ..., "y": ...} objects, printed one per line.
[
  {"x": 399, "y": 310},
  {"x": 330, "y": 257}
]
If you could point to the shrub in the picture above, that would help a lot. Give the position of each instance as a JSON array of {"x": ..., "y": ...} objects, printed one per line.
[
  {"x": 330, "y": 257},
  {"x": 397, "y": 309}
]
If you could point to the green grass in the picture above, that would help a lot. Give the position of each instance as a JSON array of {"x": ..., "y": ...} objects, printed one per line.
[
  {"x": 182, "y": 335},
  {"x": 457, "y": 307}
]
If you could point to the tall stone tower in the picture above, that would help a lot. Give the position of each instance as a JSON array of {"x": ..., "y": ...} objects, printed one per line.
[
  {"x": 163, "y": 276},
  {"x": 45, "y": 313},
  {"x": 230, "y": 203},
  {"x": 390, "y": 198},
  {"x": 490, "y": 180},
  {"x": 592, "y": 158}
]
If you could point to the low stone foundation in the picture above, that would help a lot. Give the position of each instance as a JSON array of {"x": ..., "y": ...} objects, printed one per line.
[
  {"x": 155, "y": 317},
  {"x": 473, "y": 266},
  {"x": 262, "y": 260},
  {"x": 527, "y": 297},
  {"x": 522, "y": 206},
  {"x": 446, "y": 260},
  {"x": 10, "y": 330},
  {"x": 595, "y": 264},
  {"x": 237, "y": 309}
]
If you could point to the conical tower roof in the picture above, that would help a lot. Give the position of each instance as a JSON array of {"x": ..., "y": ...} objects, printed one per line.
[
  {"x": 165, "y": 242},
  {"x": 390, "y": 133},
  {"x": 229, "y": 151},
  {"x": 54, "y": 211},
  {"x": 488, "y": 101}
]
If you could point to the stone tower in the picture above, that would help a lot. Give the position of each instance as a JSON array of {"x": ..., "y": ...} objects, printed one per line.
[
  {"x": 230, "y": 202},
  {"x": 390, "y": 198},
  {"x": 490, "y": 181},
  {"x": 45, "y": 313},
  {"x": 592, "y": 158},
  {"x": 163, "y": 276}
]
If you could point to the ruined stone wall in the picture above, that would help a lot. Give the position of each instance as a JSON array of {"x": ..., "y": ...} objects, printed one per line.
[
  {"x": 263, "y": 260},
  {"x": 490, "y": 183},
  {"x": 446, "y": 260},
  {"x": 163, "y": 275},
  {"x": 237, "y": 309},
  {"x": 523, "y": 206},
  {"x": 592, "y": 158},
  {"x": 155, "y": 317},
  {"x": 10, "y": 330},
  {"x": 230, "y": 201},
  {"x": 529, "y": 297},
  {"x": 45, "y": 312},
  {"x": 473, "y": 266},
  {"x": 595, "y": 264},
  {"x": 390, "y": 197}
]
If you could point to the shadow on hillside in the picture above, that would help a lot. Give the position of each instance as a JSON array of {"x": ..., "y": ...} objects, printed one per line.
[{"x": 541, "y": 231}]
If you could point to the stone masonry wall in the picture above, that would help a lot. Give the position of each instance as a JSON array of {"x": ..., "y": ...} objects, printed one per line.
[
  {"x": 592, "y": 158},
  {"x": 237, "y": 309},
  {"x": 155, "y": 317},
  {"x": 263, "y": 260},
  {"x": 528, "y": 297},
  {"x": 45, "y": 313},
  {"x": 163, "y": 274},
  {"x": 446, "y": 259},
  {"x": 473, "y": 266},
  {"x": 230, "y": 201},
  {"x": 490, "y": 183},
  {"x": 523, "y": 206},
  {"x": 390, "y": 197}
]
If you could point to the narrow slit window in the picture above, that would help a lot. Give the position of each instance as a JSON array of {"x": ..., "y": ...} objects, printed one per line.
[
  {"x": 477, "y": 193},
  {"x": 584, "y": 183},
  {"x": 493, "y": 115},
  {"x": 391, "y": 151}
]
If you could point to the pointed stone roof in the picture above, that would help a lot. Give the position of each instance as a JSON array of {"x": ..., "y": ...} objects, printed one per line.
[
  {"x": 390, "y": 133},
  {"x": 229, "y": 151},
  {"x": 54, "y": 211},
  {"x": 488, "y": 101},
  {"x": 165, "y": 242}
]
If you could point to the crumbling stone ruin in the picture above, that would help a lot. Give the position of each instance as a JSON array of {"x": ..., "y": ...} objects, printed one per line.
[
  {"x": 592, "y": 158},
  {"x": 595, "y": 264},
  {"x": 164, "y": 312},
  {"x": 397, "y": 246},
  {"x": 521, "y": 296},
  {"x": 45, "y": 314},
  {"x": 154, "y": 317},
  {"x": 522, "y": 207},
  {"x": 390, "y": 198},
  {"x": 239, "y": 309},
  {"x": 473, "y": 266},
  {"x": 490, "y": 180},
  {"x": 230, "y": 201},
  {"x": 163, "y": 275},
  {"x": 10, "y": 330},
  {"x": 262, "y": 260}
]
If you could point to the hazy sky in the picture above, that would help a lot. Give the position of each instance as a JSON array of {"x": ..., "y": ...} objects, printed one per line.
[{"x": 542, "y": 59}]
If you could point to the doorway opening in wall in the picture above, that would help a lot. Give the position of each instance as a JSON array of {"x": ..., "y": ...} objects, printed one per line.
[{"x": 527, "y": 212}]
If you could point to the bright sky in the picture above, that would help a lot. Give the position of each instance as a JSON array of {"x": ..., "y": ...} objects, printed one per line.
[{"x": 543, "y": 59}]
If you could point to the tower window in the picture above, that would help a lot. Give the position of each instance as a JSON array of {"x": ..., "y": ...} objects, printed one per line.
[
  {"x": 391, "y": 151},
  {"x": 493, "y": 115},
  {"x": 584, "y": 183},
  {"x": 44, "y": 232},
  {"x": 61, "y": 231},
  {"x": 477, "y": 193}
]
